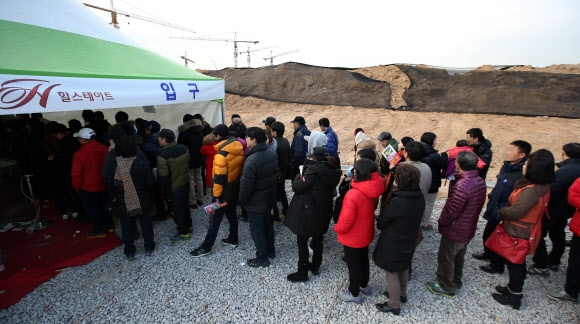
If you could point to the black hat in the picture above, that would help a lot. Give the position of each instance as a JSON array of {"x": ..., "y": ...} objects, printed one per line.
[
  {"x": 299, "y": 119},
  {"x": 319, "y": 154},
  {"x": 221, "y": 130},
  {"x": 167, "y": 134},
  {"x": 269, "y": 120}
]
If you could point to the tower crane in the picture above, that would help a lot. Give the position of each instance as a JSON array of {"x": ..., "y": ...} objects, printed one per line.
[
  {"x": 235, "y": 41},
  {"x": 271, "y": 58},
  {"x": 186, "y": 59},
  {"x": 114, "y": 12},
  {"x": 255, "y": 50}
]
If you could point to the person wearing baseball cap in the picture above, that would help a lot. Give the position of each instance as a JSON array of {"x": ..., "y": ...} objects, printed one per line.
[
  {"x": 174, "y": 180},
  {"x": 268, "y": 122},
  {"x": 86, "y": 169},
  {"x": 299, "y": 146}
]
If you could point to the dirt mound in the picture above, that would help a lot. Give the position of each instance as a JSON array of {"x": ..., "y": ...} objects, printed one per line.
[
  {"x": 300, "y": 83},
  {"x": 518, "y": 90},
  {"x": 398, "y": 80}
]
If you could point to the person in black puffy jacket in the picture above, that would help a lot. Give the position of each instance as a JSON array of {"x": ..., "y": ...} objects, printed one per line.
[
  {"x": 190, "y": 135},
  {"x": 310, "y": 210},
  {"x": 436, "y": 163}
]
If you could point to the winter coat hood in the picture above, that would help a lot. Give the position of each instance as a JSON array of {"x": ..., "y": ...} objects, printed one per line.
[
  {"x": 194, "y": 122},
  {"x": 329, "y": 176},
  {"x": 360, "y": 136},
  {"x": 372, "y": 188},
  {"x": 316, "y": 139}
]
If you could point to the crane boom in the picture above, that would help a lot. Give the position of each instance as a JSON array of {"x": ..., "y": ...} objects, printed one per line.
[
  {"x": 255, "y": 50},
  {"x": 271, "y": 58},
  {"x": 235, "y": 41},
  {"x": 115, "y": 12}
]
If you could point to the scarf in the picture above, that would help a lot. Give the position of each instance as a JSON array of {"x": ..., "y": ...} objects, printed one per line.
[{"x": 123, "y": 179}]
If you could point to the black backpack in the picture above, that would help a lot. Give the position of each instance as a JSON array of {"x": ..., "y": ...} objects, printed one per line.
[{"x": 343, "y": 188}]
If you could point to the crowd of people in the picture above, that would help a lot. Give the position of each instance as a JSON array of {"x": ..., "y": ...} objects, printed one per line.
[{"x": 139, "y": 172}]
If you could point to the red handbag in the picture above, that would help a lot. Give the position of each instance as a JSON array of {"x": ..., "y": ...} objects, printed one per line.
[{"x": 510, "y": 248}]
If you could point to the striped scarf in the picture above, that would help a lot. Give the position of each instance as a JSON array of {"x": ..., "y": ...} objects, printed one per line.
[{"x": 123, "y": 179}]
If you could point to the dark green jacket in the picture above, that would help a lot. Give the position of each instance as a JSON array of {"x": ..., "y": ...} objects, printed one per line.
[{"x": 173, "y": 166}]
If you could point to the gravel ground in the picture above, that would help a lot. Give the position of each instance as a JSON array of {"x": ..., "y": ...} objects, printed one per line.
[{"x": 172, "y": 287}]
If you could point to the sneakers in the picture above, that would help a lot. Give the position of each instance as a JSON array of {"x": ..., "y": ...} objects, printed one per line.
[
  {"x": 130, "y": 257},
  {"x": 563, "y": 296},
  {"x": 180, "y": 237},
  {"x": 255, "y": 263},
  {"x": 366, "y": 291},
  {"x": 74, "y": 214},
  {"x": 190, "y": 229},
  {"x": 277, "y": 223},
  {"x": 282, "y": 216},
  {"x": 553, "y": 267},
  {"x": 109, "y": 229},
  {"x": 100, "y": 234},
  {"x": 346, "y": 296},
  {"x": 538, "y": 271},
  {"x": 243, "y": 219},
  {"x": 435, "y": 288},
  {"x": 199, "y": 252},
  {"x": 230, "y": 243},
  {"x": 65, "y": 216}
]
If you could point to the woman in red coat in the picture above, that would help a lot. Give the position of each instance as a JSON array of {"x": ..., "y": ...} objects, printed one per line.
[
  {"x": 356, "y": 227},
  {"x": 208, "y": 152},
  {"x": 572, "y": 287}
]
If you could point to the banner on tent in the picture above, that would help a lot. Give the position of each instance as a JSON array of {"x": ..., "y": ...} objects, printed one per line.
[{"x": 28, "y": 94}]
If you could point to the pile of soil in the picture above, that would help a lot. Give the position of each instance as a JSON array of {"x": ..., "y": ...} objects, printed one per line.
[{"x": 517, "y": 90}]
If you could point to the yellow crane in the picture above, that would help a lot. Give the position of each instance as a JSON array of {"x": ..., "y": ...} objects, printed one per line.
[
  {"x": 255, "y": 50},
  {"x": 114, "y": 12},
  {"x": 235, "y": 41},
  {"x": 271, "y": 57}
]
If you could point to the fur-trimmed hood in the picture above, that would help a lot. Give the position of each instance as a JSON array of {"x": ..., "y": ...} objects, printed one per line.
[{"x": 187, "y": 125}]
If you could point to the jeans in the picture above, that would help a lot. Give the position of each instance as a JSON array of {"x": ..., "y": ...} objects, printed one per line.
[
  {"x": 214, "y": 225},
  {"x": 195, "y": 186},
  {"x": 429, "y": 203},
  {"x": 181, "y": 214},
  {"x": 450, "y": 260},
  {"x": 127, "y": 226},
  {"x": 262, "y": 230},
  {"x": 357, "y": 261},
  {"x": 303, "y": 255},
  {"x": 95, "y": 203},
  {"x": 556, "y": 228}
]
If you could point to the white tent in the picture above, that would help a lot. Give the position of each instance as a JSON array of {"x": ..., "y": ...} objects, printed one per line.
[{"x": 58, "y": 58}]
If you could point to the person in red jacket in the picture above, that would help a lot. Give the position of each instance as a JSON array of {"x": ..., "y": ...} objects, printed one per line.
[
  {"x": 457, "y": 224},
  {"x": 572, "y": 286},
  {"x": 208, "y": 151},
  {"x": 356, "y": 227},
  {"x": 86, "y": 170}
]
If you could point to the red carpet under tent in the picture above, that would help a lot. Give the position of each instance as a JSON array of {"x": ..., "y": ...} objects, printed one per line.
[{"x": 32, "y": 259}]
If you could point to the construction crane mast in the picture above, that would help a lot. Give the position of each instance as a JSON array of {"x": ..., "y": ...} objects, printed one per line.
[
  {"x": 114, "y": 12},
  {"x": 186, "y": 59},
  {"x": 271, "y": 58},
  {"x": 255, "y": 50},
  {"x": 235, "y": 41}
]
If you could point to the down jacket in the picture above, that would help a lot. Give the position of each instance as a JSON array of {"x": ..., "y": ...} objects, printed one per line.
[
  {"x": 356, "y": 224},
  {"x": 257, "y": 194},
  {"x": 458, "y": 219},
  {"x": 87, "y": 165},
  {"x": 574, "y": 201},
  {"x": 172, "y": 167},
  {"x": 436, "y": 163},
  {"x": 568, "y": 171},
  {"x": 399, "y": 225},
  {"x": 310, "y": 210},
  {"x": 190, "y": 136},
  {"x": 227, "y": 168}
]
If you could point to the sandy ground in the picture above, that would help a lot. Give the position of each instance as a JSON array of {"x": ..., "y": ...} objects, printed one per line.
[{"x": 542, "y": 132}]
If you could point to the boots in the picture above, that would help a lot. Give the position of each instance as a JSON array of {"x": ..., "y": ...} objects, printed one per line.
[
  {"x": 301, "y": 275},
  {"x": 508, "y": 298}
]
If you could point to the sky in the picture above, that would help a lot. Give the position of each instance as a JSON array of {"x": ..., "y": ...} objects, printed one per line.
[{"x": 361, "y": 33}]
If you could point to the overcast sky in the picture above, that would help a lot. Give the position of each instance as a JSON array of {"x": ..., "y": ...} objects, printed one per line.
[{"x": 361, "y": 33}]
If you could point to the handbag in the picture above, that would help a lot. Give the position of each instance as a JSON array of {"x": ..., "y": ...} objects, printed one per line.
[{"x": 510, "y": 248}]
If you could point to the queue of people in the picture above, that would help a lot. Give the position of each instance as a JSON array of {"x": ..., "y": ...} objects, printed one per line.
[{"x": 133, "y": 168}]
